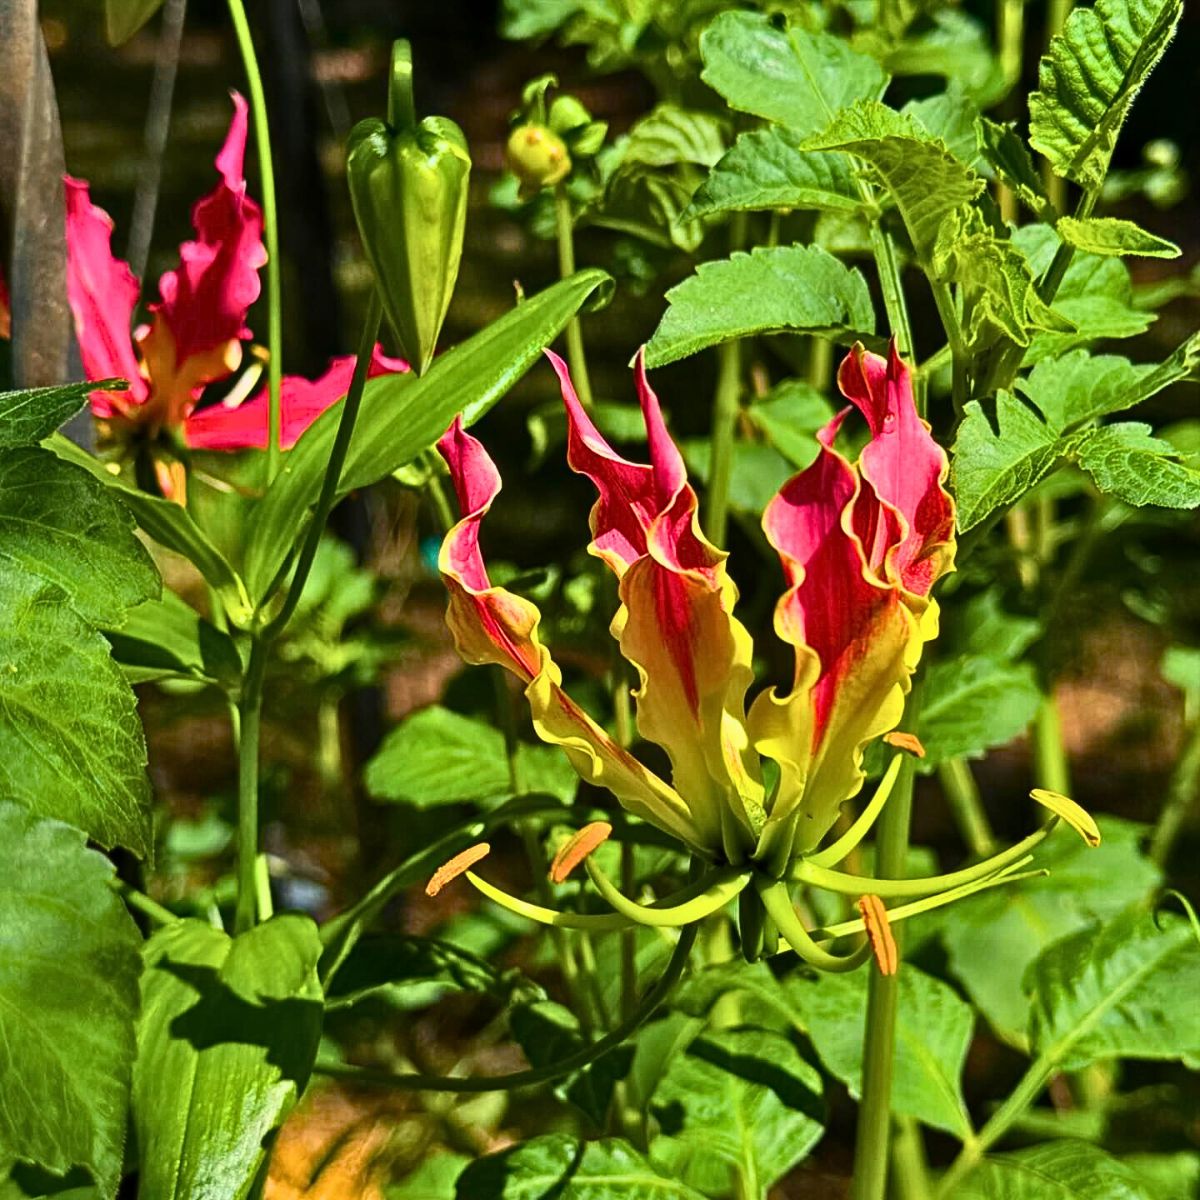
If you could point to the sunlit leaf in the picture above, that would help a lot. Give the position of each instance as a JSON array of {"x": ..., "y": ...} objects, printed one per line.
[
  {"x": 1060, "y": 1170},
  {"x": 1114, "y": 237},
  {"x": 1127, "y": 462}
]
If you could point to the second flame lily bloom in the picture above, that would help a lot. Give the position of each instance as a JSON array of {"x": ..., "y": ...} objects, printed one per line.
[{"x": 861, "y": 545}]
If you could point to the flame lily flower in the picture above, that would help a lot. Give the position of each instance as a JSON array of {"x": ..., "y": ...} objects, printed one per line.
[
  {"x": 196, "y": 329},
  {"x": 861, "y": 545}
]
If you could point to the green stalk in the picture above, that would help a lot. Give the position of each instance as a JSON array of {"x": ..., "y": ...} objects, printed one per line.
[
  {"x": 1057, "y": 12},
  {"x": 1181, "y": 795},
  {"x": 908, "y": 1161},
  {"x": 1010, "y": 34},
  {"x": 962, "y": 795},
  {"x": 565, "y": 232},
  {"x": 724, "y": 429},
  {"x": 262, "y": 140},
  {"x": 948, "y": 312},
  {"x": 884, "y": 250},
  {"x": 144, "y": 904},
  {"x": 873, "y": 1138},
  {"x": 249, "y": 723},
  {"x": 1050, "y": 766}
]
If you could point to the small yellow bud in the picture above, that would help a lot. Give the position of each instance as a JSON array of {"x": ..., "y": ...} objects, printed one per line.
[{"x": 538, "y": 157}]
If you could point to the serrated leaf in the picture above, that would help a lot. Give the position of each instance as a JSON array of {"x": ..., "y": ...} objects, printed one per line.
[
  {"x": 559, "y": 1165},
  {"x": 992, "y": 938},
  {"x": 933, "y": 1031},
  {"x": 1123, "y": 989},
  {"x": 792, "y": 76},
  {"x": 769, "y": 290},
  {"x": 737, "y": 1104},
  {"x": 1005, "y": 149},
  {"x": 925, "y": 180},
  {"x": 436, "y": 757},
  {"x": 975, "y": 703},
  {"x": 59, "y": 523},
  {"x": 1111, "y": 236},
  {"x": 668, "y": 135},
  {"x": 226, "y": 1040},
  {"x": 953, "y": 118},
  {"x": 401, "y": 417},
  {"x": 30, "y": 415},
  {"x": 1059, "y": 1170},
  {"x": 767, "y": 169},
  {"x": 71, "y": 743},
  {"x": 68, "y": 999},
  {"x": 1126, "y": 461},
  {"x": 1088, "y": 79}
]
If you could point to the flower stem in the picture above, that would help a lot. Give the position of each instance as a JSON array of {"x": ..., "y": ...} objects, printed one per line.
[
  {"x": 872, "y": 1146},
  {"x": 249, "y": 725},
  {"x": 262, "y": 140},
  {"x": 1050, "y": 767},
  {"x": 962, "y": 795},
  {"x": 565, "y": 231},
  {"x": 724, "y": 428},
  {"x": 1181, "y": 795}
]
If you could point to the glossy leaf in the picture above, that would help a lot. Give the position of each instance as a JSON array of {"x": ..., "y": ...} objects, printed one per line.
[
  {"x": 1088, "y": 79},
  {"x": 68, "y": 999},
  {"x": 1113, "y": 236},
  {"x": 402, "y": 416},
  {"x": 1123, "y": 989},
  {"x": 436, "y": 757},
  {"x": 737, "y": 1104},
  {"x": 792, "y": 76},
  {"x": 1127, "y": 462},
  {"x": 768, "y": 169},
  {"x": 58, "y": 522},
  {"x": 559, "y": 1165},
  {"x": 71, "y": 743},
  {"x": 30, "y": 415},
  {"x": 668, "y": 135},
  {"x": 933, "y": 1031},
  {"x": 770, "y": 290},
  {"x": 226, "y": 1039},
  {"x": 992, "y": 938},
  {"x": 1063, "y": 1170}
]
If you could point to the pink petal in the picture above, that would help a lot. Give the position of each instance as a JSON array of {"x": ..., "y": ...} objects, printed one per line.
[
  {"x": 103, "y": 293},
  {"x": 206, "y": 298},
  {"x": 301, "y": 400},
  {"x": 906, "y": 467}
]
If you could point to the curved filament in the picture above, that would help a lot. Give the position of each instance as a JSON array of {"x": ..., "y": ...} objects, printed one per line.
[
  {"x": 593, "y": 922},
  {"x": 838, "y": 850},
  {"x": 718, "y": 889},
  {"x": 778, "y": 904}
]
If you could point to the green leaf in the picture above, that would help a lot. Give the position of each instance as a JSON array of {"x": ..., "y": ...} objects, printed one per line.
[
  {"x": 436, "y": 757},
  {"x": 167, "y": 638},
  {"x": 1005, "y": 149},
  {"x": 1168, "y": 1176},
  {"x": 1111, "y": 236},
  {"x": 790, "y": 416},
  {"x": 769, "y": 290},
  {"x": 975, "y": 703},
  {"x": 738, "y": 1104},
  {"x": 992, "y": 938},
  {"x": 169, "y": 524},
  {"x": 756, "y": 474},
  {"x": 227, "y": 1037},
  {"x": 767, "y": 168},
  {"x": 668, "y": 135},
  {"x": 123, "y": 18},
  {"x": 71, "y": 744},
  {"x": 958, "y": 47},
  {"x": 989, "y": 630},
  {"x": 1088, "y": 78},
  {"x": 792, "y": 76},
  {"x": 1062, "y": 1170},
  {"x": 1095, "y": 296},
  {"x": 402, "y": 416},
  {"x": 933, "y": 1031},
  {"x": 68, "y": 999},
  {"x": 1123, "y": 989},
  {"x": 558, "y": 1165},
  {"x": 953, "y": 118},
  {"x": 58, "y": 522},
  {"x": 1127, "y": 462},
  {"x": 411, "y": 972},
  {"x": 28, "y": 416},
  {"x": 925, "y": 180},
  {"x": 433, "y": 1178}
]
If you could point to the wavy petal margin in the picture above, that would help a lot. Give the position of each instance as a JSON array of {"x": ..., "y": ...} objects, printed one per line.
[
  {"x": 493, "y": 625},
  {"x": 198, "y": 324},
  {"x": 302, "y": 401},
  {"x": 103, "y": 293}
]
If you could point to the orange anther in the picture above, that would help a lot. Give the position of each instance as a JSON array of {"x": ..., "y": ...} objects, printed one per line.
[
  {"x": 905, "y": 741},
  {"x": 879, "y": 934},
  {"x": 576, "y": 848},
  {"x": 451, "y": 870}
]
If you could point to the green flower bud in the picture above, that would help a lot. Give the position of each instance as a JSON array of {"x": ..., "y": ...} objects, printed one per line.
[
  {"x": 408, "y": 184},
  {"x": 538, "y": 158},
  {"x": 567, "y": 113}
]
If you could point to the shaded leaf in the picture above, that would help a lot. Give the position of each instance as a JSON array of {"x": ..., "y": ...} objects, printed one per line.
[
  {"x": 227, "y": 1037},
  {"x": 738, "y": 1104},
  {"x": 933, "y": 1031},
  {"x": 769, "y": 290},
  {"x": 433, "y": 1179},
  {"x": 1088, "y": 78},
  {"x": 953, "y": 118},
  {"x": 1127, "y": 462},
  {"x": 790, "y": 416},
  {"x": 58, "y": 522},
  {"x": 756, "y": 473},
  {"x": 792, "y": 76},
  {"x": 1112, "y": 236},
  {"x": 68, "y": 999},
  {"x": 71, "y": 743},
  {"x": 956, "y": 46},
  {"x": 1061, "y": 1170},
  {"x": 669, "y": 134},
  {"x": 123, "y": 18},
  {"x": 1005, "y": 149}
]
